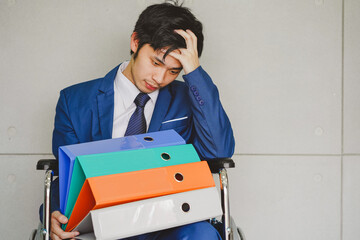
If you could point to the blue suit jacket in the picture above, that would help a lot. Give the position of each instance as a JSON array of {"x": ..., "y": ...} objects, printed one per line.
[{"x": 192, "y": 108}]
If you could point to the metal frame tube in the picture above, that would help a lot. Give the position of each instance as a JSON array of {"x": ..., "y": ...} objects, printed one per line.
[
  {"x": 224, "y": 185},
  {"x": 46, "y": 207}
]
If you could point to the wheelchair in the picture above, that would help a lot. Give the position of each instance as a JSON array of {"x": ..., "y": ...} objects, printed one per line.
[{"x": 226, "y": 227}]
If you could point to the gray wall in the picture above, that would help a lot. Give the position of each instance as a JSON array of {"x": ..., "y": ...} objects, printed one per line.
[{"x": 288, "y": 74}]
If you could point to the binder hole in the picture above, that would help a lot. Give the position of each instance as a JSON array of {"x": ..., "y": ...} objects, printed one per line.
[
  {"x": 185, "y": 207},
  {"x": 148, "y": 139},
  {"x": 165, "y": 156},
  {"x": 179, "y": 177}
]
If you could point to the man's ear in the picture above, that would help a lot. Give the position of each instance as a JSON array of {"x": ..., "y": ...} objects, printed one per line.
[{"x": 134, "y": 43}]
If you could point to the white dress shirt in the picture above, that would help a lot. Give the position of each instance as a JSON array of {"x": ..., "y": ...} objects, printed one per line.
[{"x": 125, "y": 93}]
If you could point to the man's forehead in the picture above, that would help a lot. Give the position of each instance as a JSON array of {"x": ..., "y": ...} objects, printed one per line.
[
  {"x": 165, "y": 49},
  {"x": 169, "y": 60}
]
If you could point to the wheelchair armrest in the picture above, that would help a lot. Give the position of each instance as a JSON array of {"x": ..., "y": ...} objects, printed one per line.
[
  {"x": 214, "y": 164},
  {"x": 47, "y": 164},
  {"x": 219, "y": 163}
]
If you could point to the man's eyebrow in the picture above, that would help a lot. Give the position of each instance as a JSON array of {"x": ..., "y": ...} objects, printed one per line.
[{"x": 161, "y": 61}]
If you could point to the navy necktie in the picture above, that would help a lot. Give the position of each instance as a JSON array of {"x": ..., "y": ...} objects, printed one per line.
[{"x": 137, "y": 122}]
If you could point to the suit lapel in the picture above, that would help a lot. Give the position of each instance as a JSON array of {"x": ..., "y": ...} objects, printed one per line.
[
  {"x": 161, "y": 108},
  {"x": 106, "y": 114},
  {"x": 105, "y": 101}
]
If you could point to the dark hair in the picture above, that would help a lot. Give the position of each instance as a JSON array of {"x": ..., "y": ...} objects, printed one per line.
[{"x": 156, "y": 25}]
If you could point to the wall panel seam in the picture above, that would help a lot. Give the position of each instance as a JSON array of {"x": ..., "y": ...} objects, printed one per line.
[
  {"x": 25, "y": 154},
  {"x": 290, "y": 155},
  {"x": 342, "y": 115}
]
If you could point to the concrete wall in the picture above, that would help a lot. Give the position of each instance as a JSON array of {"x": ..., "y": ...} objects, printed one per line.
[{"x": 288, "y": 74}]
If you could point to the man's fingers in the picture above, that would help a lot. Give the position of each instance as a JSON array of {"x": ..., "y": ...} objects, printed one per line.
[
  {"x": 54, "y": 237},
  {"x": 188, "y": 56},
  {"x": 187, "y": 37},
  {"x": 175, "y": 55},
  {"x": 193, "y": 38},
  {"x": 56, "y": 231},
  {"x": 56, "y": 228},
  {"x": 59, "y": 217},
  {"x": 61, "y": 234},
  {"x": 64, "y": 235}
]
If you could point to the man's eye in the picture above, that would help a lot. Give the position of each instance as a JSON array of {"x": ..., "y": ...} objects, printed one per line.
[
  {"x": 155, "y": 63},
  {"x": 174, "y": 72}
]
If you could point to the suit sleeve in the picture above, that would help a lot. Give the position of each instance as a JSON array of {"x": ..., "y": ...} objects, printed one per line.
[
  {"x": 63, "y": 134},
  {"x": 212, "y": 132}
]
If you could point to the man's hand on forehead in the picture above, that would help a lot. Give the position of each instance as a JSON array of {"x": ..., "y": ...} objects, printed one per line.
[{"x": 188, "y": 57}]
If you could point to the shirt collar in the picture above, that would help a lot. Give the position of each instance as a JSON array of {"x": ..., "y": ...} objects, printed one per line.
[{"x": 128, "y": 91}]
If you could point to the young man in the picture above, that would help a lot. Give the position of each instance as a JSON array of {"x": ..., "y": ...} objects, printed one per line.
[{"x": 166, "y": 39}]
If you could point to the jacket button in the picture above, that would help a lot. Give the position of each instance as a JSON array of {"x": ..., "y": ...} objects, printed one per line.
[
  {"x": 196, "y": 93},
  {"x": 193, "y": 88},
  {"x": 198, "y": 98},
  {"x": 201, "y": 102}
]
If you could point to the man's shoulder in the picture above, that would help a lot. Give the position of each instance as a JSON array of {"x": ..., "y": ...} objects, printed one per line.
[
  {"x": 81, "y": 95},
  {"x": 87, "y": 86},
  {"x": 103, "y": 84}
]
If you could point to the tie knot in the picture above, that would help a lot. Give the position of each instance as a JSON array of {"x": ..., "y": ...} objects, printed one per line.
[{"x": 141, "y": 99}]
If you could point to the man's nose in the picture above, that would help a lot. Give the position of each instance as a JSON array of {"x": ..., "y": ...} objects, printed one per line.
[{"x": 159, "y": 75}]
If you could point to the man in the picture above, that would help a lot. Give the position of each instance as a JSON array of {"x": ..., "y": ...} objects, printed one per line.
[{"x": 142, "y": 95}]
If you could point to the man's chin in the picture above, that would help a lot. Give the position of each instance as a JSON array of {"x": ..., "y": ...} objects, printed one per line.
[{"x": 145, "y": 90}]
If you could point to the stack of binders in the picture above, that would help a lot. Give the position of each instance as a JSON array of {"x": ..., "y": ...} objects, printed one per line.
[{"x": 128, "y": 186}]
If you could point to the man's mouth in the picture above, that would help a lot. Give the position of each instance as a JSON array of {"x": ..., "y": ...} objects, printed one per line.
[{"x": 150, "y": 87}]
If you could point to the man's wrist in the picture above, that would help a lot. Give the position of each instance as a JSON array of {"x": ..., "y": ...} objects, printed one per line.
[{"x": 193, "y": 72}]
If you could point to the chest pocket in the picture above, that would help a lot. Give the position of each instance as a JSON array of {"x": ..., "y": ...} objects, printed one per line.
[{"x": 175, "y": 124}]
